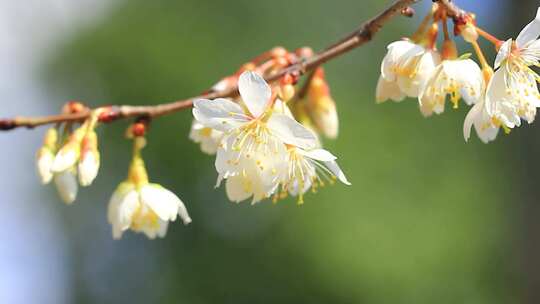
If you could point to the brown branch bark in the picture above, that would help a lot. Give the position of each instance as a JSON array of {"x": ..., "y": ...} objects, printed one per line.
[{"x": 355, "y": 39}]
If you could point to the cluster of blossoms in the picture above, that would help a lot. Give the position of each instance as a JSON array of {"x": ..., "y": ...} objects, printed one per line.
[
  {"x": 266, "y": 144},
  {"x": 71, "y": 157},
  {"x": 501, "y": 96},
  {"x": 261, "y": 150}
]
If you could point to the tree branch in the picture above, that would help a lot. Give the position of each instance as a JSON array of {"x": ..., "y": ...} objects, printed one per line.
[{"x": 354, "y": 40}]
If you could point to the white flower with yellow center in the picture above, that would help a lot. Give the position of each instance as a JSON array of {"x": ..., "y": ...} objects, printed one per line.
[
  {"x": 405, "y": 70},
  {"x": 458, "y": 78},
  {"x": 515, "y": 82},
  {"x": 142, "y": 206},
  {"x": 309, "y": 170},
  {"x": 253, "y": 147}
]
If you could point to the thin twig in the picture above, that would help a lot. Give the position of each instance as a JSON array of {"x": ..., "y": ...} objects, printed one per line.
[{"x": 356, "y": 39}]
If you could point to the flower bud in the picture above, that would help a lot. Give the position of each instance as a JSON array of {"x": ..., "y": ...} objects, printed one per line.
[
  {"x": 69, "y": 154},
  {"x": 90, "y": 159},
  {"x": 469, "y": 32},
  {"x": 321, "y": 107},
  {"x": 45, "y": 156},
  {"x": 66, "y": 185},
  {"x": 44, "y": 161},
  {"x": 286, "y": 92}
]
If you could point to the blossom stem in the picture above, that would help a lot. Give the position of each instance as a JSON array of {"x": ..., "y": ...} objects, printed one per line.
[
  {"x": 489, "y": 37},
  {"x": 480, "y": 55},
  {"x": 421, "y": 31}
]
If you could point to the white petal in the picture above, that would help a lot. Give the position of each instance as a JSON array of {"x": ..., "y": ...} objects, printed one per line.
[
  {"x": 65, "y": 159},
  {"x": 44, "y": 164},
  {"x": 530, "y": 32},
  {"x": 255, "y": 92},
  {"x": 162, "y": 201},
  {"x": 235, "y": 189},
  {"x": 336, "y": 170},
  {"x": 88, "y": 168},
  {"x": 291, "y": 132},
  {"x": 118, "y": 196},
  {"x": 503, "y": 53},
  {"x": 318, "y": 154},
  {"x": 127, "y": 207},
  {"x": 396, "y": 51},
  {"x": 388, "y": 90},
  {"x": 471, "y": 118},
  {"x": 162, "y": 231},
  {"x": 66, "y": 184},
  {"x": 220, "y": 114}
]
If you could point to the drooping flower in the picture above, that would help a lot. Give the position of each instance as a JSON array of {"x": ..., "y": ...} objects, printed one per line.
[
  {"x": 253, "y": 147},
  {"x": 513, "y": 93},
  {"x": 459, "y": 78},
  {"x": 142, "y": 206},
  {"x": 309, "y": 169},
  {"x": 405, "y": 70}
]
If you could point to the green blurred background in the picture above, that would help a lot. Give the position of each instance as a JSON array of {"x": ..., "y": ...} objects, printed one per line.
[{"x": 429, "y": 219}]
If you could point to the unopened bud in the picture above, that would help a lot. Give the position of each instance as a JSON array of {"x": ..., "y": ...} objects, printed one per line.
[
  {"x": 69, "y": 154},
  {"x": 321, "y": 107},
  {"x": 469, "y": 32},
  {"x": 44, "y": 161},
  {"x": 66, "y": 185},
  {"x": 45, "y": 156},
  {"x": 139, "y": 129},
  {"x": 408, "y": 12},
  {"x": 90, "y": 159},
  {"x": 73, "y": 107},
  {"x": 286, "y": 92}
]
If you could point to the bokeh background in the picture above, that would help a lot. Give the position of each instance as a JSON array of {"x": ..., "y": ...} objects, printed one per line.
[{"x": 429, "y": 219}]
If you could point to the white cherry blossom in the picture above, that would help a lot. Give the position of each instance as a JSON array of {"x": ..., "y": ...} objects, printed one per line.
[
  {"x": 459, "y": 78},
  {"x": 253, "y": 145},
  {"x": 405, "y": 70},
  {"x": 144, "y": 208},
  {"x": 513, "y": 94}
]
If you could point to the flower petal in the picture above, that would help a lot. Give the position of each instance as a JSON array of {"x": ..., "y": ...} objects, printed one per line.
[
  {"x": 292, "y": 132},
  {"x": 162, "y": 201},
  {"x": 503, "y": 53},
  {"x": 470, "y": 119},
  {"x": 336, "y": 170},
  {"x": 66, "y": 184},
  {"x": 530, "y": 32},
  {"x": 318, "y": 154},
  {"x": 220, "y": 114},
  {"x": 388, "y": 90},
  {"x": 235, "y": 189},
  {"x": 255, "y": 92}
]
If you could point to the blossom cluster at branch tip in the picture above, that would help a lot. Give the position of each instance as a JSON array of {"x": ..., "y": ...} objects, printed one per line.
[
  {"x": 70, "y": 157},
  {"x": 501, "y": 95},
  {"x": 262, "y": 151}
]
